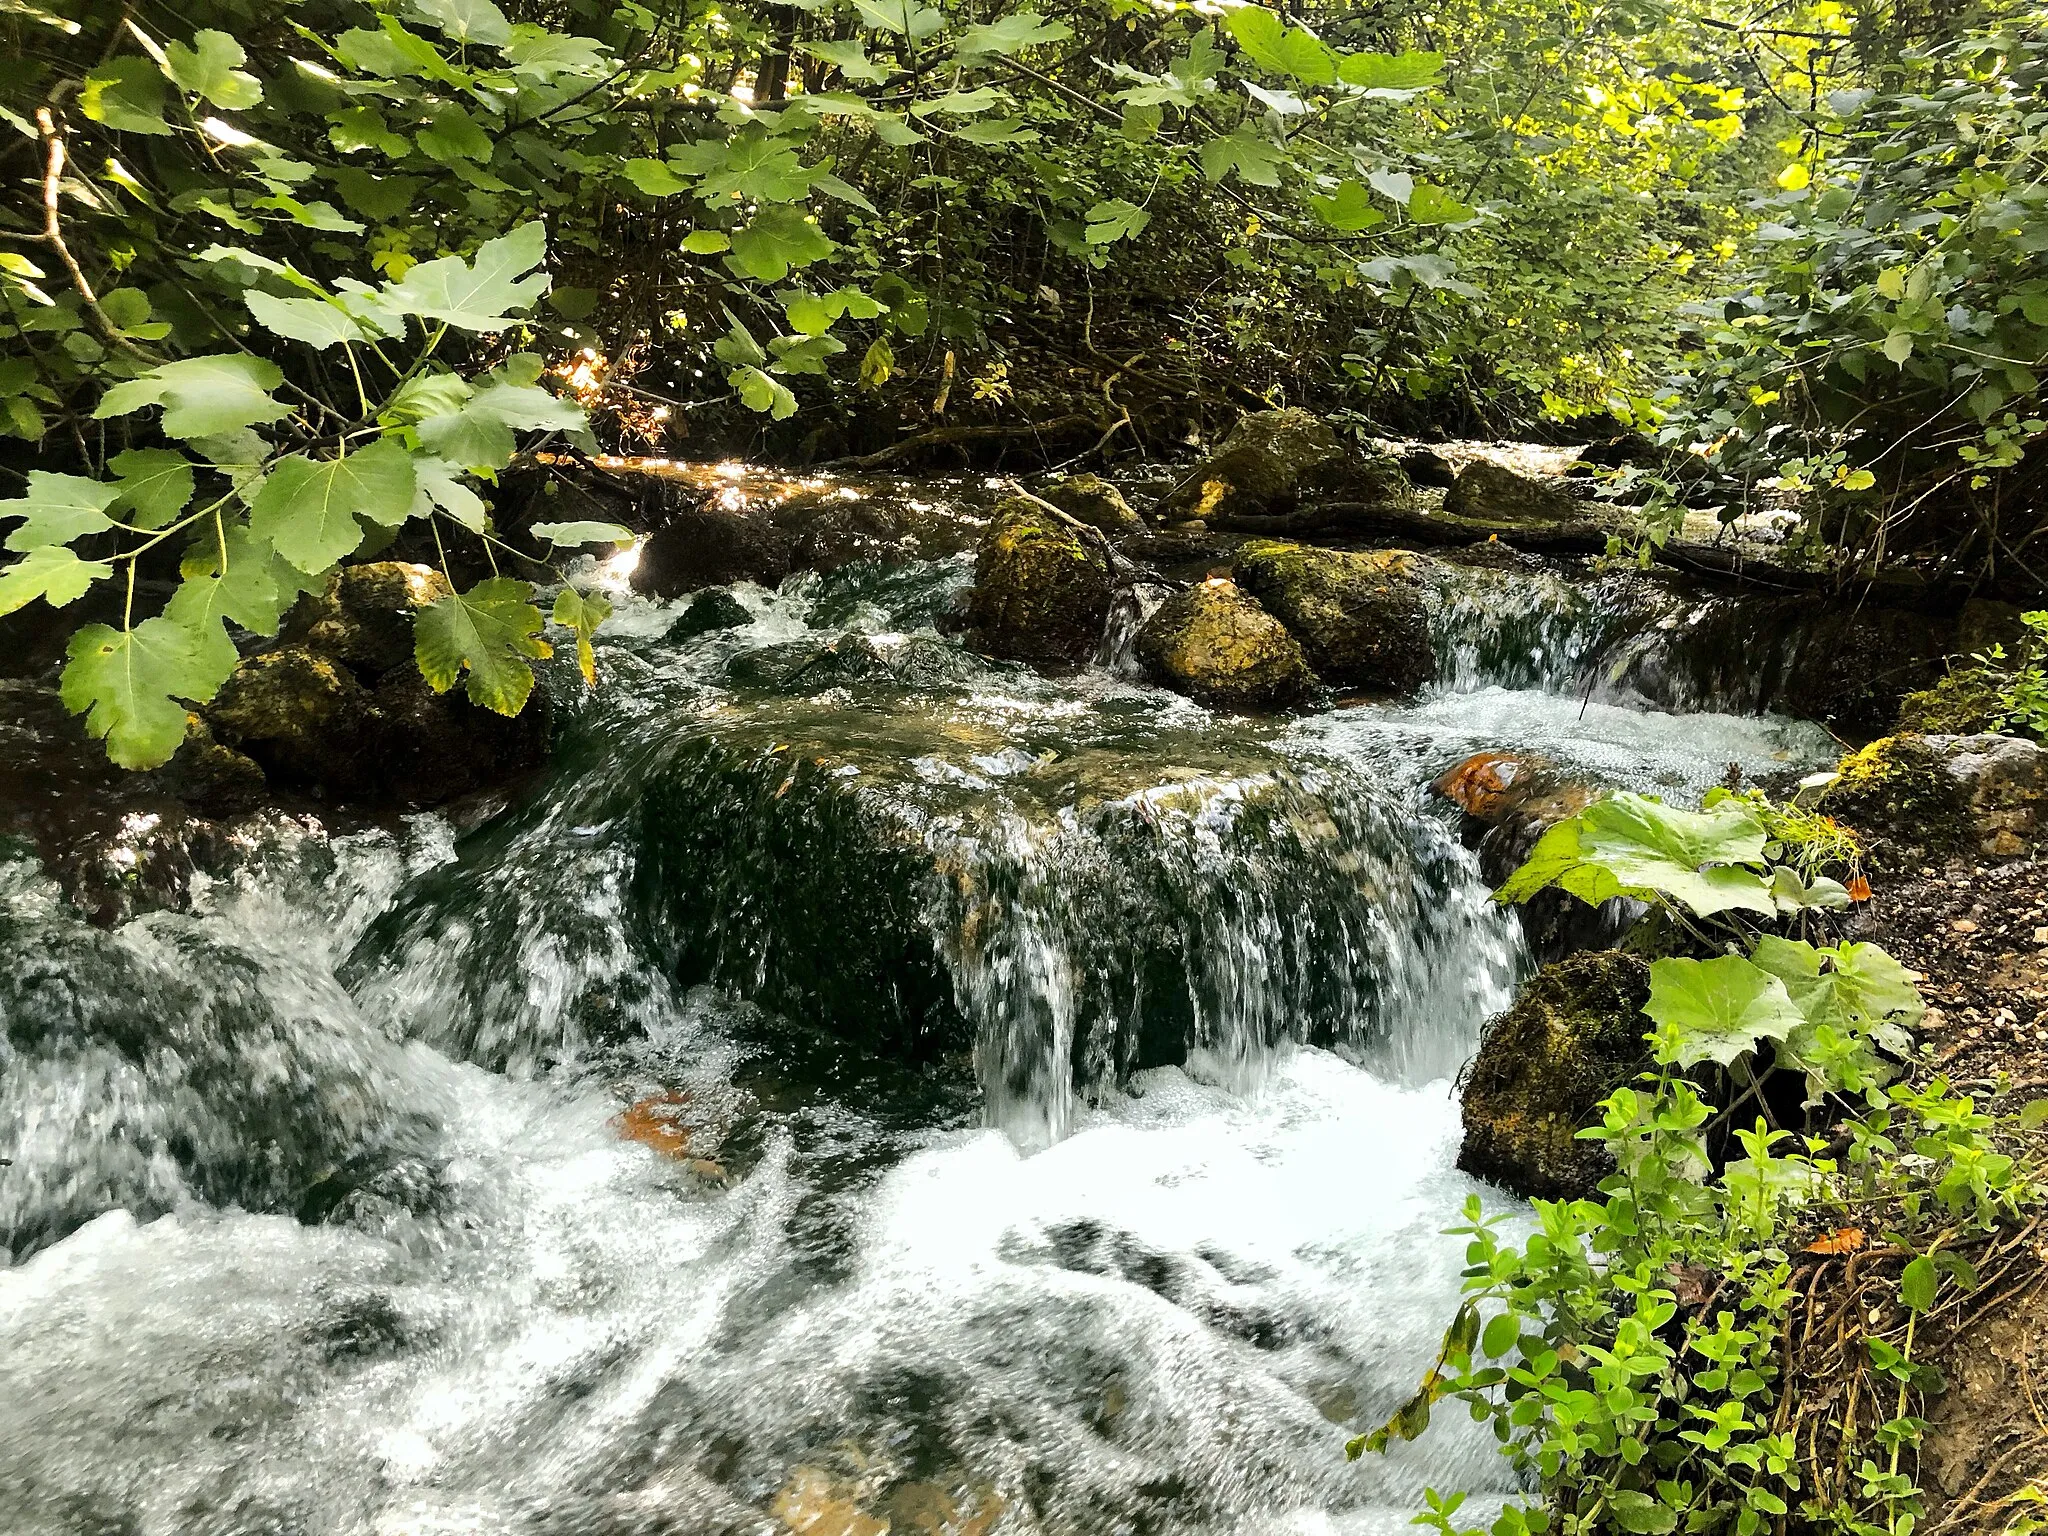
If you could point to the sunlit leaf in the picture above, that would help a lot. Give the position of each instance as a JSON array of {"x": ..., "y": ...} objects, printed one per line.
[{"x": 490, "y": 632}]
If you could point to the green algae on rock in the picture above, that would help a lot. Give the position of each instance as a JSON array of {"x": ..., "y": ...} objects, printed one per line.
[
  {"x": 1093, "y": 500},
  {"x": 1574, "y": 1035},
  {"x": 1361, "y": 618},
  {"x": 1218, "y": 646},
  {"x": 1965, "y": 702},
  {"x": 1270, "y": 460},
  {"x": 1041, "y": 590}
]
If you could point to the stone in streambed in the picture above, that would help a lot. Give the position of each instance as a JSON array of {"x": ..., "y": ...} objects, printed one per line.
[
  {"x": 1041, "y": 589},
  {"x": 711, "y": 547},
  {"x": 1981, "y": 794},
  {"x": 708, "y": 611},
  {"x": 363, "y": 617},
  {"x": 1093, "y": 500},
  {"x": 1490, "y": 491},
  {"x": 1574, "y": 1035},
  {"x": 1271, "y": 461},
  {"x": 1361, "y": 618},
  {"x": 1219, "y": 647}
]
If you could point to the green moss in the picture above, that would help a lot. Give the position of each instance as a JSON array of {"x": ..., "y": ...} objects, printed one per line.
[
  {"x": 1041, "y": 592},
  {"x": 1965, "y": 702},
  {"x": 1898, "y": 792},
  {"x": 1360, "y": 616},
  {"x": 1218, "y": 646},
  {"x": 1573, "y": 1036}
]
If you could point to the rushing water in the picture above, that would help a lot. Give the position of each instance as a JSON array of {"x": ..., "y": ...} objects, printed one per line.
[{"x": 864, "y": 1087}]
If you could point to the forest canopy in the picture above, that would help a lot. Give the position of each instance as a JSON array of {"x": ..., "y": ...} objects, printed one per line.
[{"x": 286, "y": 281}]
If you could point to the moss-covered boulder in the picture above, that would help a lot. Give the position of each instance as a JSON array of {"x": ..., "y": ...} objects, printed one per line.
[
  {"x": 1271, "y": 461},
  {"x": 1574, "y": 1035},
  {"x": 1093, "y": 500},
  {"x": 363, "y": 617},
  {"x": 1219, "y": 647},
  {"x": 1964, "y": 703},
  {"x": 1361, "y": 618},
  {"x": 302, "y": 715},
  {"x": 1484, "y": 489},
  {"x": 1041, "y": 587},
  {"x": 1981, "y": 794}
]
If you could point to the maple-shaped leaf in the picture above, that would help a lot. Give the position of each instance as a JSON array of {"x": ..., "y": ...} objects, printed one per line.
[
  {"x": 156, "y": 484},
  {"x": 53, "y": 573},
  {"x": 489, "y": 632},
  {"x": 777, "y": 238},
  {"x": 202, "y": 396},
  {"x": 476, "y": 295},
  {"x": 59, "y": 508},
  {"x": 1715, "y": 1010},
  {"x": 247, "y": 583},
  {"x": 129, "y": 683},
  {"x": 308, "y": 508},
  {"x": 211, "y": 67}
]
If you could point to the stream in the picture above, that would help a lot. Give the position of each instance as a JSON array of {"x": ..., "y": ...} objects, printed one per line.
[{"x": 860, "y": 1087}]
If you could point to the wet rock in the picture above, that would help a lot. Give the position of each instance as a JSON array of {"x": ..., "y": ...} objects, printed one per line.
[
  {"x": 1488, "y": 490},
  {"x": 1965, "y": 702},
  {"x": 1271, "y": 461},
  {"x": 1218, "y": 646},
  {"x": 828, "y": 532},
  {"x": 214, "y": 780},
  {"x": 710, "y": 611},
  {"x": 363, "y": 617},
  {"x": 1509, "y": 800},
  {"x": 1425, "y": 466},
  {"x": 710, "y": 547},
  {"x": 1360, "y": 617},
  {"x": 1093, "y": 500},
  {"x": 1041, "y": 589},
  {"x": 312, "y": 725},
  {"x": 1981, "y": 794},
  {"x": 1574, "y": 1035},
  {"x": 801, "y": 668}
]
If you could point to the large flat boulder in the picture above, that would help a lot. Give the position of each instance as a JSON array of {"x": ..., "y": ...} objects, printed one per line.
[{"x": 1362, "y": 618}]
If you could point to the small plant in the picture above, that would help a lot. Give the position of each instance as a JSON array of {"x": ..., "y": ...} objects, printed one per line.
[
  {"x": 2021, "y": 681},
  {"x": 1629, "y": 1355}
]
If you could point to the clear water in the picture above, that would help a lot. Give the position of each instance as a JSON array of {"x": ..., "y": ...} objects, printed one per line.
[{"x": 1049, "y": 1082}]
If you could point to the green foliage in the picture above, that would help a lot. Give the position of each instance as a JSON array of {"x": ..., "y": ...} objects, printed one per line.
[
  {"x": 1629, "y": 1354},
  {"x": 2020, "y": 681}
]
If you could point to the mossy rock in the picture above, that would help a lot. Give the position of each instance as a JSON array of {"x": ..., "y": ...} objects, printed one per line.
[
  {"x": 299, "y": 713},
  {"x": 1041, "y": 589},
  {"x": 1361, "y": 618},
  {"x": 1093, "y": 500},
  {"x": 363, "y": 617},
  {"x": 1491, "y": 491},
  {"x": 1270, "y": 461},
  {"x": 1963, "y": 703},
  {"x": 1899, "y": 793},
  {"x": 1574, "y": 1035},
  {"x": 1219, "y": 647}
]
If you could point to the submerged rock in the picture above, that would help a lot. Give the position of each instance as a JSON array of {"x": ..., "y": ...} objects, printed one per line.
[
  {"x": 1981, "y": 794},
  {"x": 363, "y": 617},
  {"x": 1574, "y": 1035},
  {"x": 1093, "y": 500},
  {"x": 1360, "y": 617},
  {"x": 708, "y": 611},
  {"x": 1484, "y": 489},
  {"x": 1041, "y": 589},
  {"x": 1219, "y": 647},
  {"x": 1270, "y": 461}
]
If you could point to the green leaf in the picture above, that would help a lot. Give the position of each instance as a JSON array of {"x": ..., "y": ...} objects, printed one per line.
[
  {"x": 1917, "y": 1283},
  {"x": 1270, "y": 43},
  {"x": 59, "y": 508},
  {"x": 758, "y": 169},
  {"x": 476, "y": 295},
  {"x": 453, "y": 136},
  {"x": 852, "y": 61},
  {"x": 906, "y": 17},
  {"x": 127, "y": 94},
  {"x": 50, "y": 572},
  {"x": 583, "y": 614},
  {"x": 319, "y": 323},
  {"x": 156, "y": 485},
  {"x": 1012, "y": 34},
  {"x": 211, "y": 67},
  {"x": 1647, "y": 846},
  {"x": 480, "y": 434},
  {"x": 1349, "y": 208},
  {"x": 1116, "y": 220},
  {"x": 488, "y": 631},
  {"x": 1431, "y": 204},
  {"x": 128, "y": 685},
  {"x": 1391, "y": 72},
  {"x": 653, "y": 177},
  {"x": 467, "y": 21},
  {"x": 307, "y": 509},
  {"x": 759, "y": 391},
  {"x": 202, "y": 396},
  {"x": 706, "y": 242},
  {"x": 1254, "y": 159},
  {"x": 441, "y": 483},
  {"x": 1503, "y": 1332},
  {"x": 1898, "y": 346},
  {"x": 249, "y": 588},
  {"x": 1715, "y": 1010},
  {"x": 777, "y": 239},
  {"x": 571, "y": 535},
  {"x": 1855, "y": 986}
]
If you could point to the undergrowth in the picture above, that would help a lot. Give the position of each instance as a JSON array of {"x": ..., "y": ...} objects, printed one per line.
[{"x": 1732, "y": 1337}]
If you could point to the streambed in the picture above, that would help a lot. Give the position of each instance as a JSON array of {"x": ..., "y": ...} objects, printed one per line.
[{"x": 861, "y": 1087}]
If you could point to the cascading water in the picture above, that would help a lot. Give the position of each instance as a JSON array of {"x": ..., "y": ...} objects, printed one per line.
[{"x": 864, "y": 1088}]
